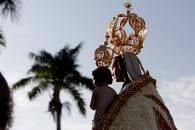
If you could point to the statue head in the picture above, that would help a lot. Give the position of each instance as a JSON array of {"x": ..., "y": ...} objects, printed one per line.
[
  {"x": 119, "y": 69},
  {"x": 102, "y": 76}
]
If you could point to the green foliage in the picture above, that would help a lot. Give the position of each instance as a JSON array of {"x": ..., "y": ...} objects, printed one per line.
[
  {"x": 22, "y": 83},
  {"x": 42, "y": 86}
]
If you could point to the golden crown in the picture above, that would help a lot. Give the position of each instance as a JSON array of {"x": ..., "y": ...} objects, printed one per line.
[{"x": 118, "y": 41}]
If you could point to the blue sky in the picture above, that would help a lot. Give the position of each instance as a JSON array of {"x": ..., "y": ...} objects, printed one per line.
[{"x": 168, "y": 52}]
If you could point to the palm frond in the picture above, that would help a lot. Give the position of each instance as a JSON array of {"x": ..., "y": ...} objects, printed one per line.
[
  {"x": 87, "y": 82},
  {"x": 2, "y": 39},
  {"x": 55, "y": 107},
  {"x": 67, "y": 106},
  {"x": 10, "y": 8},
  {"x": 74, "y": 52},
  {"x": 52, "y": 109},
  {"x": 67, "y": 53},
  {"x": 23, "y": 82},
  {"x": 64, "y": 52},
  {"x": 37, "y": 90},
  {"x": 77, "y": 96},
  {"x": 64, "y": 67},
  {"x": 39, "y": 69},
  {"x": 43, "y": 57},
  {"x": 43, "y": 75},
  {"x": 77, "y": 79}
]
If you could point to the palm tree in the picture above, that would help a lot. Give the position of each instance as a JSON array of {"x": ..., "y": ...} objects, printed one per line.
[
  {"x": 59, "y": 72},
  {"x": 10, "y": 7}
]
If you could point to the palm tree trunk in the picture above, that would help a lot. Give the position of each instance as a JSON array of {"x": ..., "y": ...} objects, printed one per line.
[
  {"x": 58, "y": 120},
  {"x": 58, "y": 107}
]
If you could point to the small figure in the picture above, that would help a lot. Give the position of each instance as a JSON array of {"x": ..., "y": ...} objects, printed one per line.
[{"x": 103, "y": 95}]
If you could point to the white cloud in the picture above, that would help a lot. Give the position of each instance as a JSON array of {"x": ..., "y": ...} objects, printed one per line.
[
  {"x": 71, "y": 125},
  {"x": 179, "y": 96}
]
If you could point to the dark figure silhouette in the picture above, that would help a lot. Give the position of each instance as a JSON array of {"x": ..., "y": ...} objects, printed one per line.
[
  {"x": 103, "y": 95},
  {"x": 6, "y": 104}
]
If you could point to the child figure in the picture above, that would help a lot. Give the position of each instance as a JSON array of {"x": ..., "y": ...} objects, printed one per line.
[{"x": 103, "y": 95}]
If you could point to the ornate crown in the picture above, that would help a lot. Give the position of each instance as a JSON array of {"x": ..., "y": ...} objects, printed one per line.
[{"x": 118, "y": 41}]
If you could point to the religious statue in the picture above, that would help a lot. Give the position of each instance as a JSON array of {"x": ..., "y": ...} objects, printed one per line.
[{"x": 138, "y": 106}]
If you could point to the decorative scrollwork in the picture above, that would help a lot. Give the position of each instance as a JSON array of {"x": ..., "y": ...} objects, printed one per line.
[{"x": 102, "y": 56}]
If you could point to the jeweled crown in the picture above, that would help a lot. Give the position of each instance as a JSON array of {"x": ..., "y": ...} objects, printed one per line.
[{"x": 117, "y": 38}]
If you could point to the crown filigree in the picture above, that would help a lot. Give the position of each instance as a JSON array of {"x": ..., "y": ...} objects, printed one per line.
[{"x": 118, "y": 41}]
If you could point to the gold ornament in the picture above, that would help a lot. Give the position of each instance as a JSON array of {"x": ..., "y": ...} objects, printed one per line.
[
  {"x": 118, "y": 41},
  {"x": 102, "y": 56}
]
